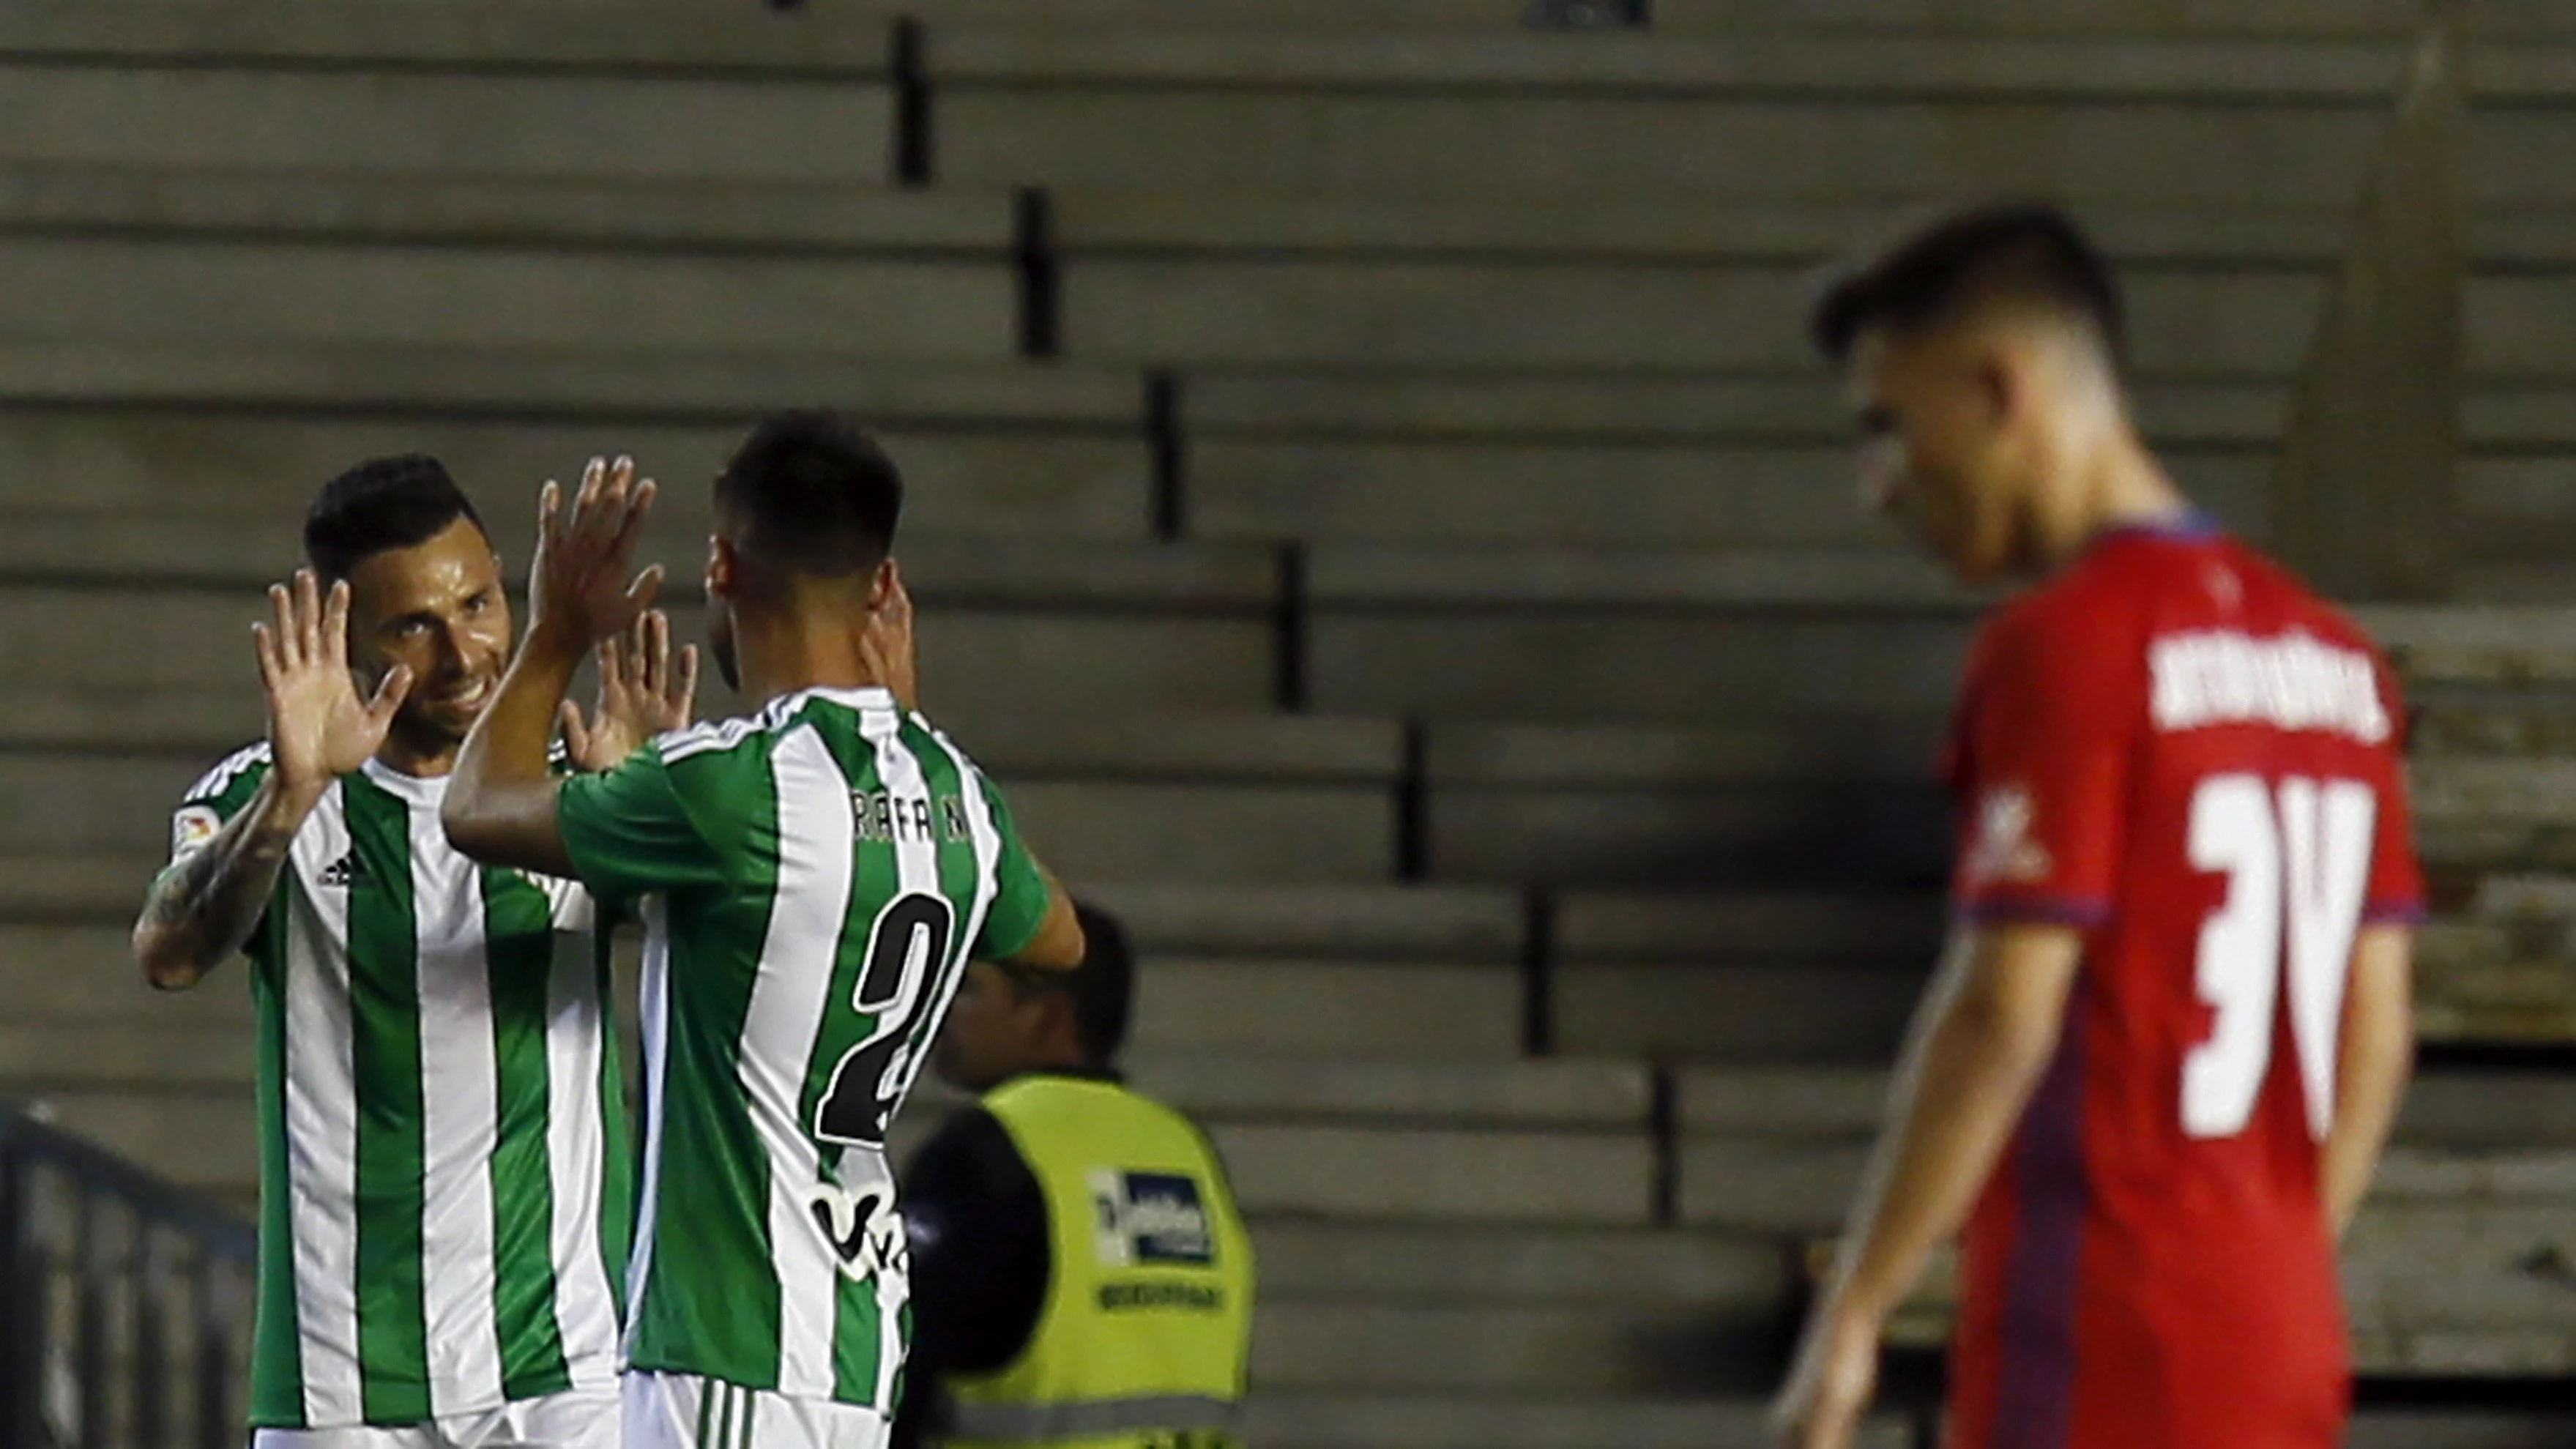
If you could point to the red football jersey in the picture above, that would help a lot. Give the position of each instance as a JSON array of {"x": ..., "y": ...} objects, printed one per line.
[{"x": 2176, "y": 747}]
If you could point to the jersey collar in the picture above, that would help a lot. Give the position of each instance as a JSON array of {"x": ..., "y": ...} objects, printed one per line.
[
  {"x": 2195, "y": 526},
  {"x": 865, "y": 697},
  {"x": 415, "y": 789}
]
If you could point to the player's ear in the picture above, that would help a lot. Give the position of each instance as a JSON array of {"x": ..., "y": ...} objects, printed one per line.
[
  {"x": 2000, "y": 390},
  {"x": 881, "y": 585},
  {"x": 721, "y": 564}
]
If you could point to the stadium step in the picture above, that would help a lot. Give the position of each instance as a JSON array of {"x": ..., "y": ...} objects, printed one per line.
[
  {"x": 426, "y": 381},
  {"x": 1462, "y": 19},
  {"x": 1367, "y": 1011},
  {"x": 2478, "y": 645},
  {"x": 1802, "y": 1012},
  {"x": 1386, "y": 114},
  {"x": 1801, "y": 405},
  {"x": 1608, "y": 1096},
  {"x": 1497, "y": 315},
  {"x": 1712, "y": 494},
  {"x": 108, "y": 478},
  {"x": 1413, "y": 924},
  {"x": 1400, "y": 1263},
  {"x": 1509, "y": 1421},
  {"x": 1177, "y": 830},
  {"x": 1507, "y": 1348},
  {"x": 291, "y": 288},
  {"x": 2459, "y": 1429},
  {"x": 535, "y": 91},
  {"x": 1191, "y": 644},
  {"x": 1245, "y": 226},
  {"x": 714, "y": 215},
  {"x": 1561, "y": 666},
  {"x": 1585, "y": 1178},
  {"x": 83, "y": 977}
]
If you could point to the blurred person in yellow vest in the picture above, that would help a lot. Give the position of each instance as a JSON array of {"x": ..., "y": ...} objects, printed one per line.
[{"x": 1081, "y": 1275}]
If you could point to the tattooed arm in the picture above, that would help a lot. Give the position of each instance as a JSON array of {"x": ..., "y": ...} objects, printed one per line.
[{"x": 204, "y": 907}]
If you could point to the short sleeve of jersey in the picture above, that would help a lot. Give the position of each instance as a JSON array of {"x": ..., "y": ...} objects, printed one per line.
[
  {"x": 632, "y": 831},
  {"x": 1020, "y": 891},
  {"x": 2040, "y": 763},
  {"x": 220, "y": 794},
  {"x": 2397, "y": 895}
]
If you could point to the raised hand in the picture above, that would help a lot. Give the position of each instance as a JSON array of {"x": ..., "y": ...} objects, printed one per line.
[
  {"x": 885, "y": 645},
  {"x": 318, "y": 728},
  {"x": 580, "y": 590},
  {"x": 643, "y": 692}
]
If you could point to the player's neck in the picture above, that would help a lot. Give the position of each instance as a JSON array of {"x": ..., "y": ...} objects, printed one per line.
[
  {"x": 800, "y": 652},
  {"x": 422, "y": 759},
  {"x": 2116, "y": 485}
]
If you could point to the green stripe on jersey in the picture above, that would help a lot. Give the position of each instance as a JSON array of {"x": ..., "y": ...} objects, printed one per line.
[
  {"x": 384, "y": 1016},
  {"x": 697, "y": 1311},
  {"x": 519, "y": 951},
  {"x": 277, "y": 1357}
]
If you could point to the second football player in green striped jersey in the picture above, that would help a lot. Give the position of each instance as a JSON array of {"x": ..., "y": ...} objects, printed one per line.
[
  {"x": 821, "y": 870},
  {"x": 825, "y": 870}
]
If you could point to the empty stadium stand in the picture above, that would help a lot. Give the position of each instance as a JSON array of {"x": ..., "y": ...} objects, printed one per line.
[{"x": 1374, "y": 509}]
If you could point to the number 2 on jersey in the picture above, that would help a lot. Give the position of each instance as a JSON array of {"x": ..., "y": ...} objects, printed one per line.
[
  {"x": 2297, "y": 860},
  {"x": 905, "y": 950}
]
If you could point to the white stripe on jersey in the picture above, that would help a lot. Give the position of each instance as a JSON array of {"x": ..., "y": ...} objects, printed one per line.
[
  {"x": 215, "y": 781},
  {"x": 714, "y": 734},
  {"x": 460, "y": 1110},
  {"x": 577, "y": 1151},
  {"x": 654, "y": 1006},
  {"x": 817, "y": 837},
  {"x": 916, "y": 862},
  {"x": 322, "y": 1121}
]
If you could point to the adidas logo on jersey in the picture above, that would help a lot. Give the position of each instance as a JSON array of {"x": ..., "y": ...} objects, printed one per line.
[{"x": 344, "y": 872}]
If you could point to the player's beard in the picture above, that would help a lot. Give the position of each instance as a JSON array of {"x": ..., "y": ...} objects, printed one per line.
[
  {"x": 424, "y": 735},
  {"x": 720, "y": 644}
]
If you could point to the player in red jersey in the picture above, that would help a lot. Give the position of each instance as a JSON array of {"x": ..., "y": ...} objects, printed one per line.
[{"x": 2159, "y": 1062}]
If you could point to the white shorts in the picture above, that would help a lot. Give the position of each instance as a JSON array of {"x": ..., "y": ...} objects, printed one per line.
[
  {"x": 575, "y": 1419},
  {"x": 682, "y": 1411}
]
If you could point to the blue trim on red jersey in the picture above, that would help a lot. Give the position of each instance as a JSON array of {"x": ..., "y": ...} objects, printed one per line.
[
  {"x": 2035, "y": 1371},
  {"x": 2195, "y": 526}
]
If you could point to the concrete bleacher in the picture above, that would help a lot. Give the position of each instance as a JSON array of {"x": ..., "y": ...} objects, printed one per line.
[{"x": 1374, "y": 509}]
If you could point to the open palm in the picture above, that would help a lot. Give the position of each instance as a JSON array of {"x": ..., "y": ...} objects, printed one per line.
[
  {"x": 318, "y": 727},
  {"x": 644, "y": 690}
]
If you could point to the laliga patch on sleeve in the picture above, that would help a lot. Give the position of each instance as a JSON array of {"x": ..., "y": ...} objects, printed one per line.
[
  {"x": 191, "y": 828},
  {"x": 2007, "y": 850},
  {"x": 1150, "y": 1219}
]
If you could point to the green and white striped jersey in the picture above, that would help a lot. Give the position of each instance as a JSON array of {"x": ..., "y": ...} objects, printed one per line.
[
  {"x": 823, "y": 871},
  {"x": 445, "y": 1182}
]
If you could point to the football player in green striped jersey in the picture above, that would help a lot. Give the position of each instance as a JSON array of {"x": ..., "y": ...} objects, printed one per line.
[
  {"x": 820, "y": 872},
  {"x": 444, "y": 1174}
]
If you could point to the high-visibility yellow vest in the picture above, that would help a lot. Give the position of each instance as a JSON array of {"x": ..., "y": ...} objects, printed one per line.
[{"x": 1147, "y": 1324}]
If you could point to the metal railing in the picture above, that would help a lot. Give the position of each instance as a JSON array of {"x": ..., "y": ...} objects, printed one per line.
[{"x": 125, "y": 1301}]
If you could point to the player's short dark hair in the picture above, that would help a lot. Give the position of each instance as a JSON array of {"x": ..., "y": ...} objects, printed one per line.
[
  {"x": 1102, "y": 989},
  {"x": 811, "y": 493},
  {"x": 381, "y": 504},
  {"x": 2029, "y": 251}
]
